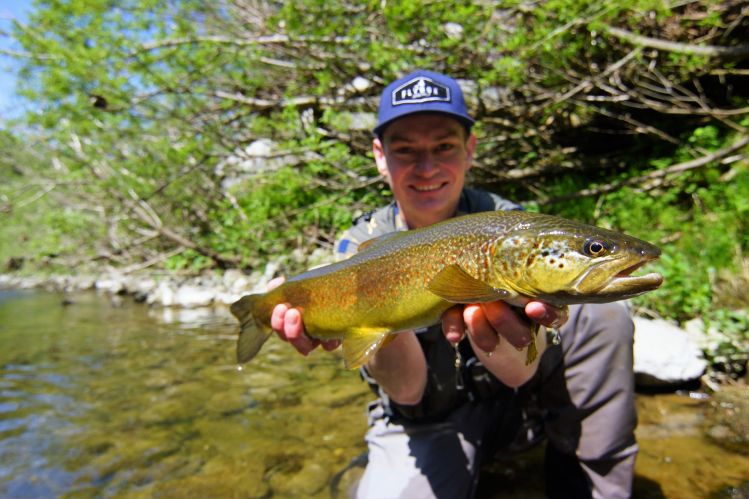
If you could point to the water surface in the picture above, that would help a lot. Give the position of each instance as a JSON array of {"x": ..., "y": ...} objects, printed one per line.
[{"x": 104, "y": 397}]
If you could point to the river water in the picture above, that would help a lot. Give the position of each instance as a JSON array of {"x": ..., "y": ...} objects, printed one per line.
[{"x": 102, "y": 397}]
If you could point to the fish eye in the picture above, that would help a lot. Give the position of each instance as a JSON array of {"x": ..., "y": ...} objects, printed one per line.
[{"x": 595, "y": 247}]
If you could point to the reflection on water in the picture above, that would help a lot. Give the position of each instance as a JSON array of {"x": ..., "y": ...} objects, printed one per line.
[
  {"x": 105, "y": 398},
  {"x": 109, "y": 398}
]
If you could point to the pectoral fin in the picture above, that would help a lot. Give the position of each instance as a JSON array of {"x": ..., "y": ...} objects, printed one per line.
[
  {"x": 456, "y": 285},
  {"x": 360, "y": 345}
]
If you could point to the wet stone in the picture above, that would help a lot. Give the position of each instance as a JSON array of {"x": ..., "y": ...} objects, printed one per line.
[{"x": 727, "y": 418}]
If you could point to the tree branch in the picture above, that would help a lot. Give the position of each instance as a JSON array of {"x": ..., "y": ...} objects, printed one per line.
[
  {"x": 736, "y": 52},
  {"x": 658, "y": 174}
]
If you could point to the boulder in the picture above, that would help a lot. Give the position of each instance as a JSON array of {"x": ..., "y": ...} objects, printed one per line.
[
  {"x": 191, "y": 296},
  {"x": 664, "y": 354}
]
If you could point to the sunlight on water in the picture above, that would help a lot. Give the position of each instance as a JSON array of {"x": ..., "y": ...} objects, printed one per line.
[{"x": 104, "y": 397}]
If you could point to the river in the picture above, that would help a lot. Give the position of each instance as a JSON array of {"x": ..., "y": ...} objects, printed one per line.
[{"x": 103, "y": 397}]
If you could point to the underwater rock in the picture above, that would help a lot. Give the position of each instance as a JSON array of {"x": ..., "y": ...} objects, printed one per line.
[{"x": 727, "y": 418}]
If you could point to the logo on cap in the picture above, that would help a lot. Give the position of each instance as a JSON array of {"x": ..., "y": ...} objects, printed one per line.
[{"x": 420, "y": 89}]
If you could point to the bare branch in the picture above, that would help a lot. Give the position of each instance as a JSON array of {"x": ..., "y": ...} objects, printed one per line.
[
  {"x": 736, "y": 52},
  {"x": 657, "y": 174}
]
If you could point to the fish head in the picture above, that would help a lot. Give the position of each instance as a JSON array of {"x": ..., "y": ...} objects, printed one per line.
[{"x": 575, "y": 263}]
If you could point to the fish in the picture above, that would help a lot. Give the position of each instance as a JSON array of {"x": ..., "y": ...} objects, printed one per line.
[{"x": 405, "y": 280}]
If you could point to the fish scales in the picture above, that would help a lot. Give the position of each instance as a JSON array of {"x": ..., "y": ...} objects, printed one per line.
[{"x": 406, "y": 280}]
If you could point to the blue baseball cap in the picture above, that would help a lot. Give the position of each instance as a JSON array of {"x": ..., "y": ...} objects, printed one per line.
[{"x": 421, "y": 92}]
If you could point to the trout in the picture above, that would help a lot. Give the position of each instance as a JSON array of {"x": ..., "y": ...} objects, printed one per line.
[{"x": 406, "y": 280}]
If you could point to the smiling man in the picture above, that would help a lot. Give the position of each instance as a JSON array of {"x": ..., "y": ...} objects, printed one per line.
[
  {"x": 425, "y": 158},
  {"x": 452, "y": 396}
]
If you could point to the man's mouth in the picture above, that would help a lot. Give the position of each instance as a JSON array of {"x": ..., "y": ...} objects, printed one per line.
[{"x": 428, "y": 188}]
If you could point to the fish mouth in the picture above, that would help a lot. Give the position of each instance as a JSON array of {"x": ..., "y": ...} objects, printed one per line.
[
  {"x": 612, "y": 280},
  {"x": 628, "y": 285}
]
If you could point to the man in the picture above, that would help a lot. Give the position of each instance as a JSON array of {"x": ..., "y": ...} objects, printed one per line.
[{"x": 446, "y": 403}]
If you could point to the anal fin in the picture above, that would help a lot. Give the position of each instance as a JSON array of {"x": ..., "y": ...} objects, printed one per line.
[{"x": 360, "y": 345}]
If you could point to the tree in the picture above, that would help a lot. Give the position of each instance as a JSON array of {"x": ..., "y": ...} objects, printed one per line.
[{"x": 225, "y": 133}]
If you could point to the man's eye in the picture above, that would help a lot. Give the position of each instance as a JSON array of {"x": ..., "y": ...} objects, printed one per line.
[{"x": 445, "y": 147}]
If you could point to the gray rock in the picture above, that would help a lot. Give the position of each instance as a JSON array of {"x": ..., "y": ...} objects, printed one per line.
[
  {"x": 111, "y": 283},
  {"x": 191, "y": 296},
  {"x": 163, "y": 295},
  {"x": 453, "y": 30},
  {"x": 664, "y": 354}
]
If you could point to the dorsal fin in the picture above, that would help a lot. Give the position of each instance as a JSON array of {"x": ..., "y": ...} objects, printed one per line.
[{"x": 376, "y": 241}]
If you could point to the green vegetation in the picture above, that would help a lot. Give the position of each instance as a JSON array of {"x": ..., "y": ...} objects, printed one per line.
[{"x": 193, "y": 135}]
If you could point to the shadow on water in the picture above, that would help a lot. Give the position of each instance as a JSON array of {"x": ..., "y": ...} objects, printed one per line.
[{"x": 110, "y": 398}]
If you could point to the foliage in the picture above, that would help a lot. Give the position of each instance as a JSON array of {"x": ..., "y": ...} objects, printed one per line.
[
  {"x": 190, "y": 134},
  {"x": 730, "y": 348}
]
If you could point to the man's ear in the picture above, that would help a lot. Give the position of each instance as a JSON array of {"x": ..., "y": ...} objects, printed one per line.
[
  {"x": 379, "y": 154},
  {"x": 470, "y": 148}
]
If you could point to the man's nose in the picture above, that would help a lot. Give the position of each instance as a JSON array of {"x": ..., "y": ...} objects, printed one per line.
[{"x": 426, "y": 164}]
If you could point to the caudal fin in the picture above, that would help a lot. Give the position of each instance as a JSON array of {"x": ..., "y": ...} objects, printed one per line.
[{"x": 253, "y": 332}]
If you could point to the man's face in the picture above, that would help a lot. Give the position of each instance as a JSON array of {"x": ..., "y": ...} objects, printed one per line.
[{"x": 424, "y": 158}]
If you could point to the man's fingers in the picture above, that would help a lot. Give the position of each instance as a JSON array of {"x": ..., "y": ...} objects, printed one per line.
[
  {"x": 277, "y": 319},
  {"x": 548, "y": 315},
  {"x": 330, "y": 345},
  {"x": 287, "y": 323},
  {"x": 453, "y": 326},
  {"x": 482, "y": 333},
  {"x": 506, "y": 322},
  {"x": 294, "y": 329}
]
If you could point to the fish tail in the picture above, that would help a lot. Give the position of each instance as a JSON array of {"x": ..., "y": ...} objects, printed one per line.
[{"x": 254, "y": 320}]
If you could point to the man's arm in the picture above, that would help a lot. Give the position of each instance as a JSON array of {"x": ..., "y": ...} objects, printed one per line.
[{"x": 400, "y": 369}]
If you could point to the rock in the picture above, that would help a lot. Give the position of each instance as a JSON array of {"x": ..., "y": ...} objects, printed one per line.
[
  {"x": 112, "y": 283},
  {"x": 495, "y": 98},
  {"x": 361, "y": 84},
  {"x": 727, "y": 418},
  {"x": 191, "y": 296},
  {"x": 664, "y": 354},
  {"x": 705, "y": 339},
  {"x": 362, "y": 121},
  {"x": 162, "y": 295},
  {"x": 453, "y": 31}
]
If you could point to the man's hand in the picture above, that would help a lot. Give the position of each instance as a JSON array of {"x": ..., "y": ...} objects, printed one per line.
[
  {"x": 486, "y": 322},
  {"x": 287, "y": 323}
]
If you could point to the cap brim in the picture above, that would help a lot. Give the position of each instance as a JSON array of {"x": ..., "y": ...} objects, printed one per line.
[{"x": 465, "y": 120}]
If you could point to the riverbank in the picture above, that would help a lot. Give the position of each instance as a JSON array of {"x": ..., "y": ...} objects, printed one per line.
[
  {"x": 666, "y": 355},
  {"x": 156, "y": 289}
]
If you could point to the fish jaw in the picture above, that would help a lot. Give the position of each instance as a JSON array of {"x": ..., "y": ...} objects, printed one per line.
[
  {"x": 622, "y": 287},
  {"x": 623, "y": 284}
]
